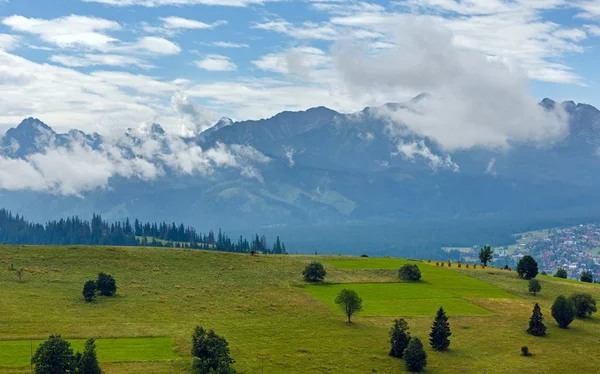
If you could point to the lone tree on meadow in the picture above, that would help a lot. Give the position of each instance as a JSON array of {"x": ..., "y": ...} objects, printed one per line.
[
  {"x": 106, "y": 285},
  {"x": 89, "y": 291},
  {"x": 587, "y": 277},
  {"x": 486, "y": 253},
  {"x": 210, "y": 353},
  {"x": 527, "y": 267},
  {"x": 583, "y": 304},
  {"x": 314, "y": 272},
  {"x": 414, "y": 356},
  {"x": 54, "y": 356},
  {"x": 409, "y": 272},
  {"x": 350, "y": 303},
  {"x": 561, "y": 273},
  {"x": 440, "y": 331},
  {"x": 536, "y": 323},
  {"x": 88, "y": 362},
  {"x": 535, "y": 286},
  {"x": 563, "y": 311},
  {"x": 399, "y": 338}
]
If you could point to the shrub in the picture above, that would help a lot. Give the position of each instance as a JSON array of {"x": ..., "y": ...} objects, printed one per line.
[
  {"x": 89, "y": 291},
  {"x": 536, "y": 323},
  {"x": 525, "y": 351},
  {"x": 106, "y": 285},
  {"x": 410, "y": 272},
  {"x": 88, "y": 362},
  {"x": 544, "y": 273},
  {"x": 587, "y": 277},
  {"x": 350, "y": 303},
  {"x": 415, "y": 356},
  {"x": 54, "y": 356},
  {"x": 584, "y": 304},
  {"x": 561, "y": 273},
  {"x": 399, "y": 338},
  {"x": 210, "y": 353},
  {"x": 440, "y": 331},
  {"x": 314, "y": 272},
  {"x": 534, "y": 286},
  {"x": 527, "y": 267},
  {"x": 563, "y": 311},
  {"x": 364, "y": 255}
]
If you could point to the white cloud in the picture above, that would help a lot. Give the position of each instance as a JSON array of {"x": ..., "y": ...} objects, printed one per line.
[
  {"x": 593, "y": 30},
  {"x": 184, "y": 23},
  {"x": 152, "y": 44},
  {"x": 156, "y": 3},
  {"x": 590, "y": 9},
  {"x": 307, "y": 30},
  {"x": 8, "y": 42},
  {"x": 228, "y": 45},
  {"x": 413, "y": 149},
  {"x": 216, "y": 63},
  {"x": 100, "y": 60},
  {"x": 298, "y": 61}
]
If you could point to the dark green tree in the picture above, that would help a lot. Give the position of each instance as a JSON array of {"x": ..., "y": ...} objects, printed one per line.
[
  {"x": 89, "y": 291},
  {"x": 527, "y": 267},
  {"x": 88, "y": 362},
  {"x": 561, "y": 273},
  {"x": 440, "y": 331},
  {"x": 409, "y": 272},
  {"x": 535, "y": 286},
  {"x": 414, "y": 356},
  {"x": 536, "y": 323},
  {"x": 314, "y": 272},
  {"x": 54, "y": 356},
  {"x": 210, "y": 353},
  {"x": 584, "y": 304},
  {"x": 106, "y": 285},
  {"x": 399, "y": 338},
  {"x": 587, "y": 277},
  {"x": 563, "y": 311},
  {"x": 486, "y": 253},
  {"x": 350, "y": 303}
]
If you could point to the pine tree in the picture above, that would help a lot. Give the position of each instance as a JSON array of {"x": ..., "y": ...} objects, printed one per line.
[
  {"x": 415, "y": 356},
  {"x": 440, "y": 331},
  {"x": 88, "y": 362},
  {"x": 399, "y": 338},
  {"x": 536, "y": 323}
]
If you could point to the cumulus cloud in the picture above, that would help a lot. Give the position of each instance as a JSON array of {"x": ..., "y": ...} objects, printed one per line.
[
  {"x": 216, "y": 63},
  {"x": 474, "y": 101},
  {"x": 8, "y": 42},
  {"x": 185, "y": 23}
]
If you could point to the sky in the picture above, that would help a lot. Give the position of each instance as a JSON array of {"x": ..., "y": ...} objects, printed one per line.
[{"x": 107, "y": 65}]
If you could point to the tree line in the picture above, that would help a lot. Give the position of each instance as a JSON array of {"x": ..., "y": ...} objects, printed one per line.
[{"x": 15, "y": 229}]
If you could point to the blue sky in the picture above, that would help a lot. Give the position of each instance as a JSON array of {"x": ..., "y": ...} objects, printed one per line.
[{"x": 105, "y": 65}]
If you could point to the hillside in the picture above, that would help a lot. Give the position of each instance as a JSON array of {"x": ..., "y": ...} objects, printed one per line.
[{"x": 264, "y": 309}]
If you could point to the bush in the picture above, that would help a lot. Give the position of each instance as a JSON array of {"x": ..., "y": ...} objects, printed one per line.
[
  {"x": 89, "y": 291},
  {"x": 364, "y": 255},
  {"x": 587, "y": 277},
  {"x": 54, "y": 356},
  {"x": 563, "y": 311},
  {"x": 525, "y": 351},
  {"x": 561, "y": 273},
  {"x": 314, "y": 272},
  {"x": 415, "y": 356},
  {"x": 544, "y": 273},
  {"x": 399, "y": 338},
  {"x": 527, "y": 267},
  {"x": 536, "y": 323},
  {"x": 106, "y": 285},
  {"x": 350, "y": 302},
  {"x": 534, "y": 286},
  {"x": 410, "y": 272},
  {"x": 210, "y": 353},
  {"x": 583, "y": 304}
]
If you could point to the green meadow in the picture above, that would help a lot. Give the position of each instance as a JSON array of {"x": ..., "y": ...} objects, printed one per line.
[{"x": 261, "y": 305}]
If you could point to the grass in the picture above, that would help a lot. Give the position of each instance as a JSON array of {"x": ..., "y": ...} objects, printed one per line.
[{"x": 263, "y": 308}]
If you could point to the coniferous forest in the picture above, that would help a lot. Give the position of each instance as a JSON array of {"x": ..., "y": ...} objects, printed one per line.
[{"x": 14, "y": 229}]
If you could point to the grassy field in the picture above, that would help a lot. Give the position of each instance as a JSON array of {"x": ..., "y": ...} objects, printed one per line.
[{"x": 263, "y": 308}]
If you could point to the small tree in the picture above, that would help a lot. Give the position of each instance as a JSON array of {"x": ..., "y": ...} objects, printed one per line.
[
  {"x": 409, "y": 272},
  {"x": 584, "y": 304},
  {"x": 54, "y": 356},
  {"x": 527, "y": 267},
  {"x": 314, "y": 272},
  {"x": 350, "y": 302},
  {"x": 563, "y": 311},
  {"x": 561, "y": 273},
  {"x": 415, "y": 356},
  {"x": 587, "y": 277},
  {"x": 440, "y": 331},
  {"x": 88, "y": 362},
  {"x": 89, "y": 291},
  {"x": 535, "y": 286},
  {"x": 399, "y": 338},
  {"x": 536, "y": 323},
  {"x": 210, "y": 353},
  {"x": 106, "y": 285},
  {"x": 486, "y": 253}
]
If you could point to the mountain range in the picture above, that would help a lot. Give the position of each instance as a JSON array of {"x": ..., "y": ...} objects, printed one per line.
[{"x": 313, "y": 168}]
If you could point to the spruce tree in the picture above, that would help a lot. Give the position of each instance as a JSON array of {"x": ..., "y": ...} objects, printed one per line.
[
  {"x": 399, "y": 338},
  {"x": 415, "y": 356},
  {"x": 536, "y": 323},
  {"x": 88, "y": 362},
  {"x": 440, "y": 331}
]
